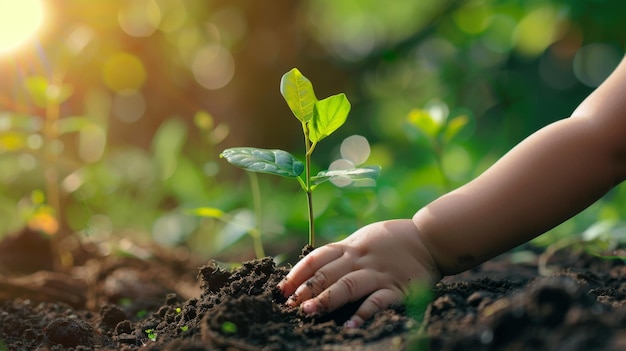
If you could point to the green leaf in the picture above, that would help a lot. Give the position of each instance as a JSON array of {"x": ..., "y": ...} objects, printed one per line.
[
  {"x": 299, "y": 95},
  {"x": 253, "y": 159},
  {"x": 369, "y": 172},
  {"x": 424, "y": 122},
  {"x": 454, "y": 126},
  {"x": 328, "y": 115}
]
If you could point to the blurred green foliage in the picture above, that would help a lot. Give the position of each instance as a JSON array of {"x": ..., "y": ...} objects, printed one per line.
[{"x": 111, "y": 120}]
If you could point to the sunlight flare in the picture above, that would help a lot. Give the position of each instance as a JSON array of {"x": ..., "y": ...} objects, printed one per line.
[{"x": 19, "y": 22}]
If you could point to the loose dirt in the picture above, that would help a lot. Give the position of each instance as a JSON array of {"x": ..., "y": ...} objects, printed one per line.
[{"x": 169, "y": 301}]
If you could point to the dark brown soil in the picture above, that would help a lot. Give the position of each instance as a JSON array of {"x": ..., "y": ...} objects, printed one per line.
[{"x": 170, "y": 302}]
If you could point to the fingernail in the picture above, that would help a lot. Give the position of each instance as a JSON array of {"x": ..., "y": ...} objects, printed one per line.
[
  {"x": 354, "y": 322},
  {"x": 350, "y": 323},
  {"x": 291, "y": 301},
  {"x": 309, "y": 307}
]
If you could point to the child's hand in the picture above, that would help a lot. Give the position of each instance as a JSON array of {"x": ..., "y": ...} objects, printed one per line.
[{"x": 380, "y": 260}]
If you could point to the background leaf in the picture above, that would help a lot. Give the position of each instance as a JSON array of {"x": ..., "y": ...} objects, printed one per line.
[
  {"x": 167, "y": 145},
  {"x": 299, "y": 94},
  {"x": 276, "y": 162},
  {"x": 454, "y": 126},
  {"x": 424, "y": 122},
  {"x": 329, "y": 114}
]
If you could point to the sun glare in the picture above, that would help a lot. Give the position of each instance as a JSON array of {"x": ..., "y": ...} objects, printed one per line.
[{"x": 19, "y": 21}]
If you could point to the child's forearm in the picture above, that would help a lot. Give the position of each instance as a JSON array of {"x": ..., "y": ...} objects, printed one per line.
[
  {"x": 549, "y": 177},
  {"x": 546, "y": 179}
]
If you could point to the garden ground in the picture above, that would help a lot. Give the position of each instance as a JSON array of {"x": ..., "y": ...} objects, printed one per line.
[{"x": 170, "y": 301}]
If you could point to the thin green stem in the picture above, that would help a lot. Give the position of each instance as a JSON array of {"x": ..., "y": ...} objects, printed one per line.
[
  {"x": 309, "y": 191},
  {"x": 255, "y": 232},
  {"x": 438, "y": 149}
]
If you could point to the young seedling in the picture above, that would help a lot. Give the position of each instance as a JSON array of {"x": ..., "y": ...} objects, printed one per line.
[
  {"x": 229, "y": 327},
  {"x": 319, "y": 119},
  {"x": 439, "y": 131},
  {"x": 152, "y": 335}
]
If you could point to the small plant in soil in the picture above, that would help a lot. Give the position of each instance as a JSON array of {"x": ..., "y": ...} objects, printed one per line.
[
  {"x": 229, "y": 328},
  {"x": 152, "y": 335},
  {"x": 319, "y": 119}
]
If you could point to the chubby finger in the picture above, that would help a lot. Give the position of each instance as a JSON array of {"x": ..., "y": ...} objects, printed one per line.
[
  {"x": 307, "y": 267},
  {"x": 320, "y": 281},
  {"x": 380, "y": 300},
  {"x": 350, "y": 287}
]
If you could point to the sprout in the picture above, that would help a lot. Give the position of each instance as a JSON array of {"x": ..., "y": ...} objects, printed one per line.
[{"x": 319, "y": 119}]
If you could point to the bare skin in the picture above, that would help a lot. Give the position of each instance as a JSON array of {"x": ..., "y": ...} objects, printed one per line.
[{"x": 547, "y": 178}]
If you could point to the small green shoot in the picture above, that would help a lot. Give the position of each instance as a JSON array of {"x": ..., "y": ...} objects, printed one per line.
[
  {"x": 152, "y": 335},
  {"x": 141, "y": 313},
  {"x": 184, "y": 328},
  {"x": 319, "y": 119},
  {"x": 433, "y": 123},
  {"x": 229, "y": 328},
  {"x": 178, "y": 310}
]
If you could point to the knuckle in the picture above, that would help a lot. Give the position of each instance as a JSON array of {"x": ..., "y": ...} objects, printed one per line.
[
  {"x": 309, "y": 260},
  {"x": 377, "y": 303},
  {"x": 349, "y": 285},
  {"x": 318, "y": 282}
]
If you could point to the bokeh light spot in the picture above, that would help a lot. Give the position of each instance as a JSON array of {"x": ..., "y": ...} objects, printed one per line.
[
  {"x": 556, "y": 71},
  {"x": 536, "y": 31},
  {"x": 359, "y": 37},
  {"x": 457, "y": 163},
  {"x": 124, "y": 73},
  {"x": 140, "y": 18},
  {"x": 73, "y": 181},
  {"x": 27, "y": 162},
  {"x": 174, "y": 15},
  {"x": 498, "y": 36},
  {"x": 92, "y": 141},
  {"x": 19, "y": 21},
  {"x": 438, "y": 111},
  {"x": 34, "y": 141},
  {"x": 472, "y": 18},
  {"x": 79, "y": 38},
  {"x": 594, "y": 62},
  {"x": 129, "y": 107},
  {"x": 341, "y": 164},
  {"x": 172, "y": 228},
  {"x": 355, "y": 148},
  {"x": 213, "y": 67},
  {"x": 232, "y": 24}
]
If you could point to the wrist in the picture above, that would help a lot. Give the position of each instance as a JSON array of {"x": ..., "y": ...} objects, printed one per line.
[
  {"x": 436, "y": 254},
  {"x": 425, "y": 256}
]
